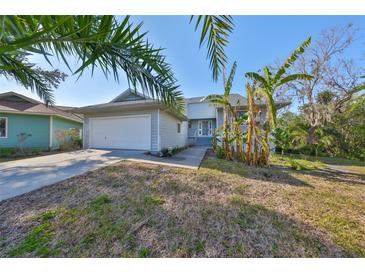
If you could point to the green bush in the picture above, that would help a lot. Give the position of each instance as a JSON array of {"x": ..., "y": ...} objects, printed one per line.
[
  {"x": 164, "y": 152},
  {"x": 6, "y": 152},
  {"x": 219, "y": 153},
  {"x": 167, "y": 152},
  {"x": 68, "y": 139}
]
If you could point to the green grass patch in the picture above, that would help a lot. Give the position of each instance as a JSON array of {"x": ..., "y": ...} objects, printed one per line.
[
  {"x": 37, "y": 241},
  {"x": 295, "y": 163},
  {"x": 224, "y": 166},
  {"x": 153, "y": 200},
  {"x": 100, "y": 201},
  {"x": 144, "y": 253}
]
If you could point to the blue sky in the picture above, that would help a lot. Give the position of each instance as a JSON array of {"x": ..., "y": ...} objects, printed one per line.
[{"x": 256, "y": 41}]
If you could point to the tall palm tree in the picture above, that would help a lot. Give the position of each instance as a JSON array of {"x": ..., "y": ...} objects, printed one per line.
[
  {"x": 224, "y": 101},
  {"x": 268, "y": 83},
  {"x": 93, "y": 41}
]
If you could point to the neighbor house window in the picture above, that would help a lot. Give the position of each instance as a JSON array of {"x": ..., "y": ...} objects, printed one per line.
[
  {"x": 178, "y": 127},
  {"x": 189, "y": 124},
  {"x": 3, "y": 127}
]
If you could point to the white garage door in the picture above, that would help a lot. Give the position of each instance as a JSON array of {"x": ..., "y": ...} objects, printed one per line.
[{"x": 125, "y": 132}]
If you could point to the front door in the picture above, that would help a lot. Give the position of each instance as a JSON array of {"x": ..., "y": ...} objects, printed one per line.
[{"x": 204, "y": 128}]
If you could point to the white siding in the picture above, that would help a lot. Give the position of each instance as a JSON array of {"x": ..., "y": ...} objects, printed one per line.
[
  {"x": 154, "y": 126},
  {"x": 200, "y": 111},
  {"x": 169, "y": 136}
]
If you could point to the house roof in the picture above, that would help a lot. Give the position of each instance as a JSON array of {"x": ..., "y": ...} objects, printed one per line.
[
  {"x": 12, "y": 102},
  {"x": 128, "y": 100},
  {"x": 130, "y": 95},
  {"x": 236, "y": 100}
]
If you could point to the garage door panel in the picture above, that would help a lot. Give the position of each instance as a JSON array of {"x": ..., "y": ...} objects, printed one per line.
[{"x": 127, "y": 132}]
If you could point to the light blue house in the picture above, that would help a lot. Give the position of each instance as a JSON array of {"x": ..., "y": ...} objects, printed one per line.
[{"x": 20, "y": 115}]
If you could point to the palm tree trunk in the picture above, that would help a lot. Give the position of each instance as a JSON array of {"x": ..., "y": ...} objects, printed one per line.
[{"x": 225, "y": 134}]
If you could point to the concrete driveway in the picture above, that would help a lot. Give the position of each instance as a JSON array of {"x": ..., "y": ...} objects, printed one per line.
[{"x": 21, "y": 176}]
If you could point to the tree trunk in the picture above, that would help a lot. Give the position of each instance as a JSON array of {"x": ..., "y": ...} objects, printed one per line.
[
  {"x": 225, "y": 135},
  {"x": 311, "y": 136}
]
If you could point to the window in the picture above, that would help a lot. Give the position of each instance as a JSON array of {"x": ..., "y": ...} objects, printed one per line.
[
  {"x": 3, "y": 127},
  {"x": 178, "y": 127},
  {"x": 189, "y": 123}
]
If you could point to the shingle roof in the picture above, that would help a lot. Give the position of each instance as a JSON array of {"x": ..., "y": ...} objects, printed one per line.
[
  {"x": 12, "y": 102},
  {"x": 236, "y": 100}
]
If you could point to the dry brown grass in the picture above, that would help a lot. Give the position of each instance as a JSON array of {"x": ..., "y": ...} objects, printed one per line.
[{"x": 222, "y": 210}]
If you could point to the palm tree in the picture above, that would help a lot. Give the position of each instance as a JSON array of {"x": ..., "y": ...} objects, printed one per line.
[
  {"x": 93, "y": 41},
  {"x": 224, "y": 101},
  {"x": 269, "y": 83}
]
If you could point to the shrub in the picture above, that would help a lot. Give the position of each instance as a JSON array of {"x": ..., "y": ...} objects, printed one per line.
[
  {"x": 219, "y": 153},
  {"x": 164, "y": 152},
  {"x": 167, "y": 152},
  {"x": 6, "y": 152},
  {"x": 68, "y": 139}
]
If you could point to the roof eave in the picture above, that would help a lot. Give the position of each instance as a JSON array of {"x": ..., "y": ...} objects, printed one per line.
[{"x": 43, "y": 114}]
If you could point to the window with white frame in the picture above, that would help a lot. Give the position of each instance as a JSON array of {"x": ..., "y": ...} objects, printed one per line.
[
  {"x": 178, "y": 127},
  {"x": 3, "y": 127}
]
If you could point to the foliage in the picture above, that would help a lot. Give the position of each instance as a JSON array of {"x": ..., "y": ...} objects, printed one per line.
[
  {"x": 22, "y": 137},
  {"x": 228, "y": 109},
  {"x": 342, "y": 136},
  {"x": 336, "y": 79},
  {"x": 6, "y": 152},
  {"x": 94, "y": 41},
  {"x": 219, "y": 152},
  {"x": 215, "y": 31},
  {"x": 268, "y": 83},
  {"x": 68, "y": 139},
  {"x": 168, "y": 152}
]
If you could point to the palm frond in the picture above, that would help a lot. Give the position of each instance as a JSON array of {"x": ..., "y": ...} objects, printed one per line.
[
  {"x": 291, "y": 59},
  {"x": 215, "y": 99},
  {"x": 228, "y": 85},
  {"x": 97, "y": 42},
  {"x": 215, "y": 31},
  {"x": 258, "y": 79},
  {"x": 271, "y": 106},
  {"x": 27, "y": 76},
  {"x": 293, "y": 77}
]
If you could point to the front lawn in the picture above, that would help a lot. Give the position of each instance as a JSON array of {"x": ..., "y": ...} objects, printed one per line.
[{"x": 223, "y": 209}]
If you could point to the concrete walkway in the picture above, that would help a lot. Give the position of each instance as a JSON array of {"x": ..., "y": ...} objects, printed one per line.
[{"x": 21, "y": 176}]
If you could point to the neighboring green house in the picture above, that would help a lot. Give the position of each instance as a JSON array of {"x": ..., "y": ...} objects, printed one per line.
[{"x": 20, "y": 115}]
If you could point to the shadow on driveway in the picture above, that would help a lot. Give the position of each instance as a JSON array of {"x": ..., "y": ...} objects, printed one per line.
[{"x": 22, "y": 176}]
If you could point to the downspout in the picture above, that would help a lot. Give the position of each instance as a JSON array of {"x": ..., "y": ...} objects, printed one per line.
[
  {"x": 50, "y": 132},
  {"x": 158, "y": 131}
]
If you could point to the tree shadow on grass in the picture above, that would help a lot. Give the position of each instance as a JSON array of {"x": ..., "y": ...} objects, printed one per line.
[
  {"x": 338, "y": 175},
  {"x": 186, "y": 221},
  {"x": 239, "y": 229},
  {"x": 273, "y": 174},
  {"x": 326, "y": 160}
]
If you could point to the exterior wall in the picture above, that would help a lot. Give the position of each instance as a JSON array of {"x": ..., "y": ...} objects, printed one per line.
[
  {"x": 154, "y": 124},
  {"x": 200, "y": 111},
  {"x": 192, "y": 131},
  {"x": 169, "y": 137},
  {"x": 62, "y": 124},
  {"x": 37, "y": 125},
  {"x": 219, "y": 117}
]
